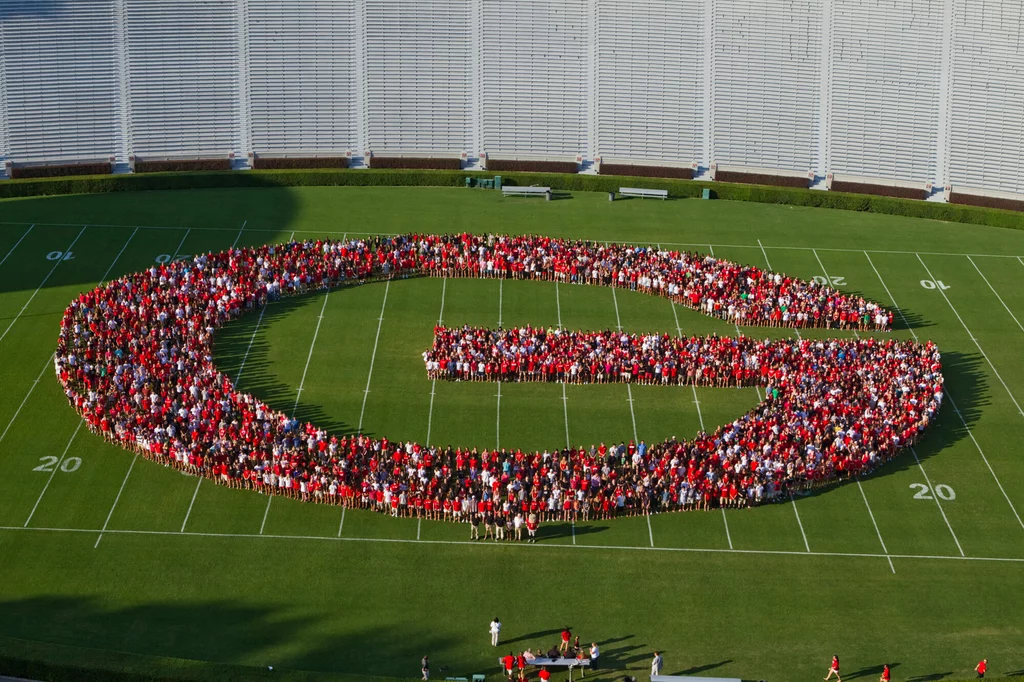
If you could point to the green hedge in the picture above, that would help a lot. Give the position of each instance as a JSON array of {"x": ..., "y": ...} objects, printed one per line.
[{"x": 565, "y": 182}]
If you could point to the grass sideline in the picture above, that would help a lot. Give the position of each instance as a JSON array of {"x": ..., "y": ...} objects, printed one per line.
[
  {"x": 736, "y": 595},
  {"x": 559, "y": 181}
]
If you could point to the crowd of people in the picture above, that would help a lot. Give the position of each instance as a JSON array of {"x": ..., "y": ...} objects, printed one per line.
[{"x": 135, "y": 359}]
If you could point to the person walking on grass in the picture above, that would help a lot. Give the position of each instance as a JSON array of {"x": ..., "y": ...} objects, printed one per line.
[
  {"x": 425, "y": 667},
  {"x": 657, "y": 664},
  {"x": 834, "y": 669},
  {"x": 495, "y": 630},
  {"x": 981, "y": 668},
  {"x": 886, "y": 674}
]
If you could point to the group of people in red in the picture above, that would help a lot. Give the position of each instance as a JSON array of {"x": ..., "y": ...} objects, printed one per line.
[
  {"x": 135, "y": 359},
  {"x": 833, "y": 670}
]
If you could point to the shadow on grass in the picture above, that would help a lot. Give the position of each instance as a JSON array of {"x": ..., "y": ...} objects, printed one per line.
[
  {"x": 697, "y": 669},
  {"x": 933, "y": 677},
  {"x": 872, "y": 671}
]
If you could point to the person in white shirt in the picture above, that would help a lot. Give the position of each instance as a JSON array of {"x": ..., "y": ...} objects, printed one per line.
[
  {"x": 656, "y": 664},
  {"x": 495, "y": 629}
]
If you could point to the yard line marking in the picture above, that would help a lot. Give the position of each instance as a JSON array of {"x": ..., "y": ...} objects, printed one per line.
[
  {"x": 950, "y": 398},
  {"x": 996, "y": 293},
  {"x": 316, "y": 332},
  {"x": 650, "y": 531},
  {"x": 621, "y": 241},
  {"x": 558, "y": 304},
  {"x": 239, "y": 236},
  {"x": 43, "y": 283},
  {"x": 54, "y": 471},
  {"x": 565, "y": 412},
  {"x": 1018, "y": 258},
  {"x": 975, "y": 340},
  {"x": 765, "y": 254},
  {"x": 728, "y": 536},
  {"x": 189, "y": 512},
  {"x": 573, "y": 532},
  {"x": 799, "y": 523},
  {"x": 696, "y": 402},
  {"x": 433, "y": 383},
  {"x": 936, "y": 498},
  {"x": 500, "y": 300},
  {"x": 16, "y": 244},
  {"x": 25, "y": 399},
  {"x": 181, "y": 244},
  {"x": 497, "y": 421},
  {"x": 116, "y": 500},
  {"x": 251, "y": 339},
  {"x": 618, "y": 322},
  {"x": 419, "y": 524},
  {"x": 342, "y": 524},
  {"x": 632, "y": 413},
  {"x": 270, "y": 498},
  {"x": 118, "y": 256},
  {"x": 688, "y": 550},
  {"x": 878, "y": 532}
]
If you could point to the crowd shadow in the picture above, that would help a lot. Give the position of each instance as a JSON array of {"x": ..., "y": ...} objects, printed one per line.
[{"x": 872, "y": 670}]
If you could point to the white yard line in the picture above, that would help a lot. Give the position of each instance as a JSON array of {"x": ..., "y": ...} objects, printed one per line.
[
  {"x": 497, "y": 421},
  {"x": 728, "y": 535},
  {"x": 239, "y": 235},
  {"x": 975, "y": 340},
  {"x": 312, "y": 345},
  {"x": 565, "y": 397},
  {"x": 573, "y": 532},
  {"x": 189, "y": 512},
  {"x": 949, "y": 397},
  {"x": 419, "y": 524},
  {"x": 632, "y": 412},
  {"x": 54, "y": 471},
  {"x": 373, "y": 357},
  {"x": 765, "y": 254},
  {"x": 996, "y": 293},
  {"x": 936, "y": 498},
  {"x": 875, "y": 524},
  {"x": 650, "y": 531},
  {"x": 43, "y": 283},
  {"x": 433, "y": 384},
  {"x": 342, "y": 524},
  {"x": 615, "y": 299},
  {"x": 180, "y": 244},
  {"x": 500, "y": 300},
  {"x": 270, "y": 498},
  {"x": 49, "y": 363},
  {"x": 550, "y": 546},
  {"x": 251, "y": 339},
  {"x": 118, "y": 257},
  {"x": 16, "y": 244},
  {"x": 116, "y": 500},
  {"x": 799, "y": 523},
  {"x": 623, "y": 240}
]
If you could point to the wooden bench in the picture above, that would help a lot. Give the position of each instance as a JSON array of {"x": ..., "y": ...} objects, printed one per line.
[
  {"x": 689, "y": 678},
  {"x": 643, "y": 193},
  {"x": 526, "y": 191}
]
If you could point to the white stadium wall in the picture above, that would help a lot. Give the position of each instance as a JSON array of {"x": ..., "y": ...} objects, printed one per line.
[{"x": 898, "y": 92}]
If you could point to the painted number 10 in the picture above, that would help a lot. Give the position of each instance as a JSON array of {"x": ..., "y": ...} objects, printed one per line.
[{"x": 934, "y": 284}]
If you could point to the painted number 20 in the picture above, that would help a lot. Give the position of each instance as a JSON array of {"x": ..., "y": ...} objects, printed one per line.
[
  {"x": 49, "y": 462},
  {"x": 942, "y": 490},
  {"x": 835, "y": 281}
]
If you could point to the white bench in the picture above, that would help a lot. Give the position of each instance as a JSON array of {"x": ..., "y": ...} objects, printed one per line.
[
  {"x": 507, "y": 190},
  {"x": 555, "y": 662},
  {"x": 643, "y": 193},
  {"x": 688, "y": 678}
]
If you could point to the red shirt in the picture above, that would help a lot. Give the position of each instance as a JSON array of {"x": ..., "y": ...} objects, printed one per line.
[
  {"x": 982, "y": 666},
  {"x": 545, "y": 675},
  {"x": 835, "y": 663},
  {"x": 885, "y": 673},
  {"x": 508, "y": 662},
  {"x": 566, "y": 635}
]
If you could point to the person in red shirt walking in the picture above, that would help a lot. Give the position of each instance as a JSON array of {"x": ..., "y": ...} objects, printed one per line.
[
  {"x": 521, "y": 665},
  {"x": 886, "y": 675},
  {"x": 834, "y": 669},
  {"x": 981, "y": 668},
  {"x": 563, "y": 648},
  {"x": 544, "y": 675},
  {"x": 509, "y": 662}
]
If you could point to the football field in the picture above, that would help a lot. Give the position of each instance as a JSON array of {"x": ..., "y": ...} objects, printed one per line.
[{"x": 111, "y": 560}]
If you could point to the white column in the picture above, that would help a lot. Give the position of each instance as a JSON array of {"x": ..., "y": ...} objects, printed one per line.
[
  {"x": 122, "y": 135},
  {"x": 824, "y": 160},
  {"x": 707, "y": 49},
  {"x": 945, "y": 97},
  {"x": 590, "y": 150},
  {"x": 476, "y": 52},
  {"x": 362, "y": 131},
  {"x": 4, "y": 135},
  {"x": 244, "y": 136}
]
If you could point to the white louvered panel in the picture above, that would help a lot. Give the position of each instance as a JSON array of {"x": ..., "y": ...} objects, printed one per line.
[
  {"x": 766, "y": 70},
  {"x": 183, "y": 77},
  {"x": 60, "y": 77},
  {"x": 4, "y": 150},
  {"x": 649, "y": 89},
  {"x": 302, "y": 76},
  {"x": 418, "y": 76},
  {"x": 987, "y": 91},
  {"x": 885, "y": 88},
  {"x": 534, "y": 77}
]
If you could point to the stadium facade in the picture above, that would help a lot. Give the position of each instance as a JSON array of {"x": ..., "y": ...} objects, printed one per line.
[{"x": 903, "y": 93}]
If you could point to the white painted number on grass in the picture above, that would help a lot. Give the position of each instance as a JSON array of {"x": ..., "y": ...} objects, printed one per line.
[
  {"x": 930, "y": 284},
  {"x": 60, "y": 255},
  {"x": 942, "y": 490},
  {"x": 68, "y": 466},
  {"x": 163, "y": 258},
  {"x": 836, "y": 280}
]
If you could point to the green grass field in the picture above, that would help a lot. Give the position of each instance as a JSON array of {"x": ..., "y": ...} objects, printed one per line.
[{"x": 920, "y": 566}]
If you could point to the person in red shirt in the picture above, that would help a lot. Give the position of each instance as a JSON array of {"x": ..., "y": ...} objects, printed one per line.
[
  {"x": 544, "y": 675},
  {"x": 563, "y": 648},
  {"x": 834, "y": 669},
  {"x": 509, "y": 661},
  {"x": 521, "y": 665},
  {"x": 886, "y": 675},
  {"x": 981, "y": 668}
]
